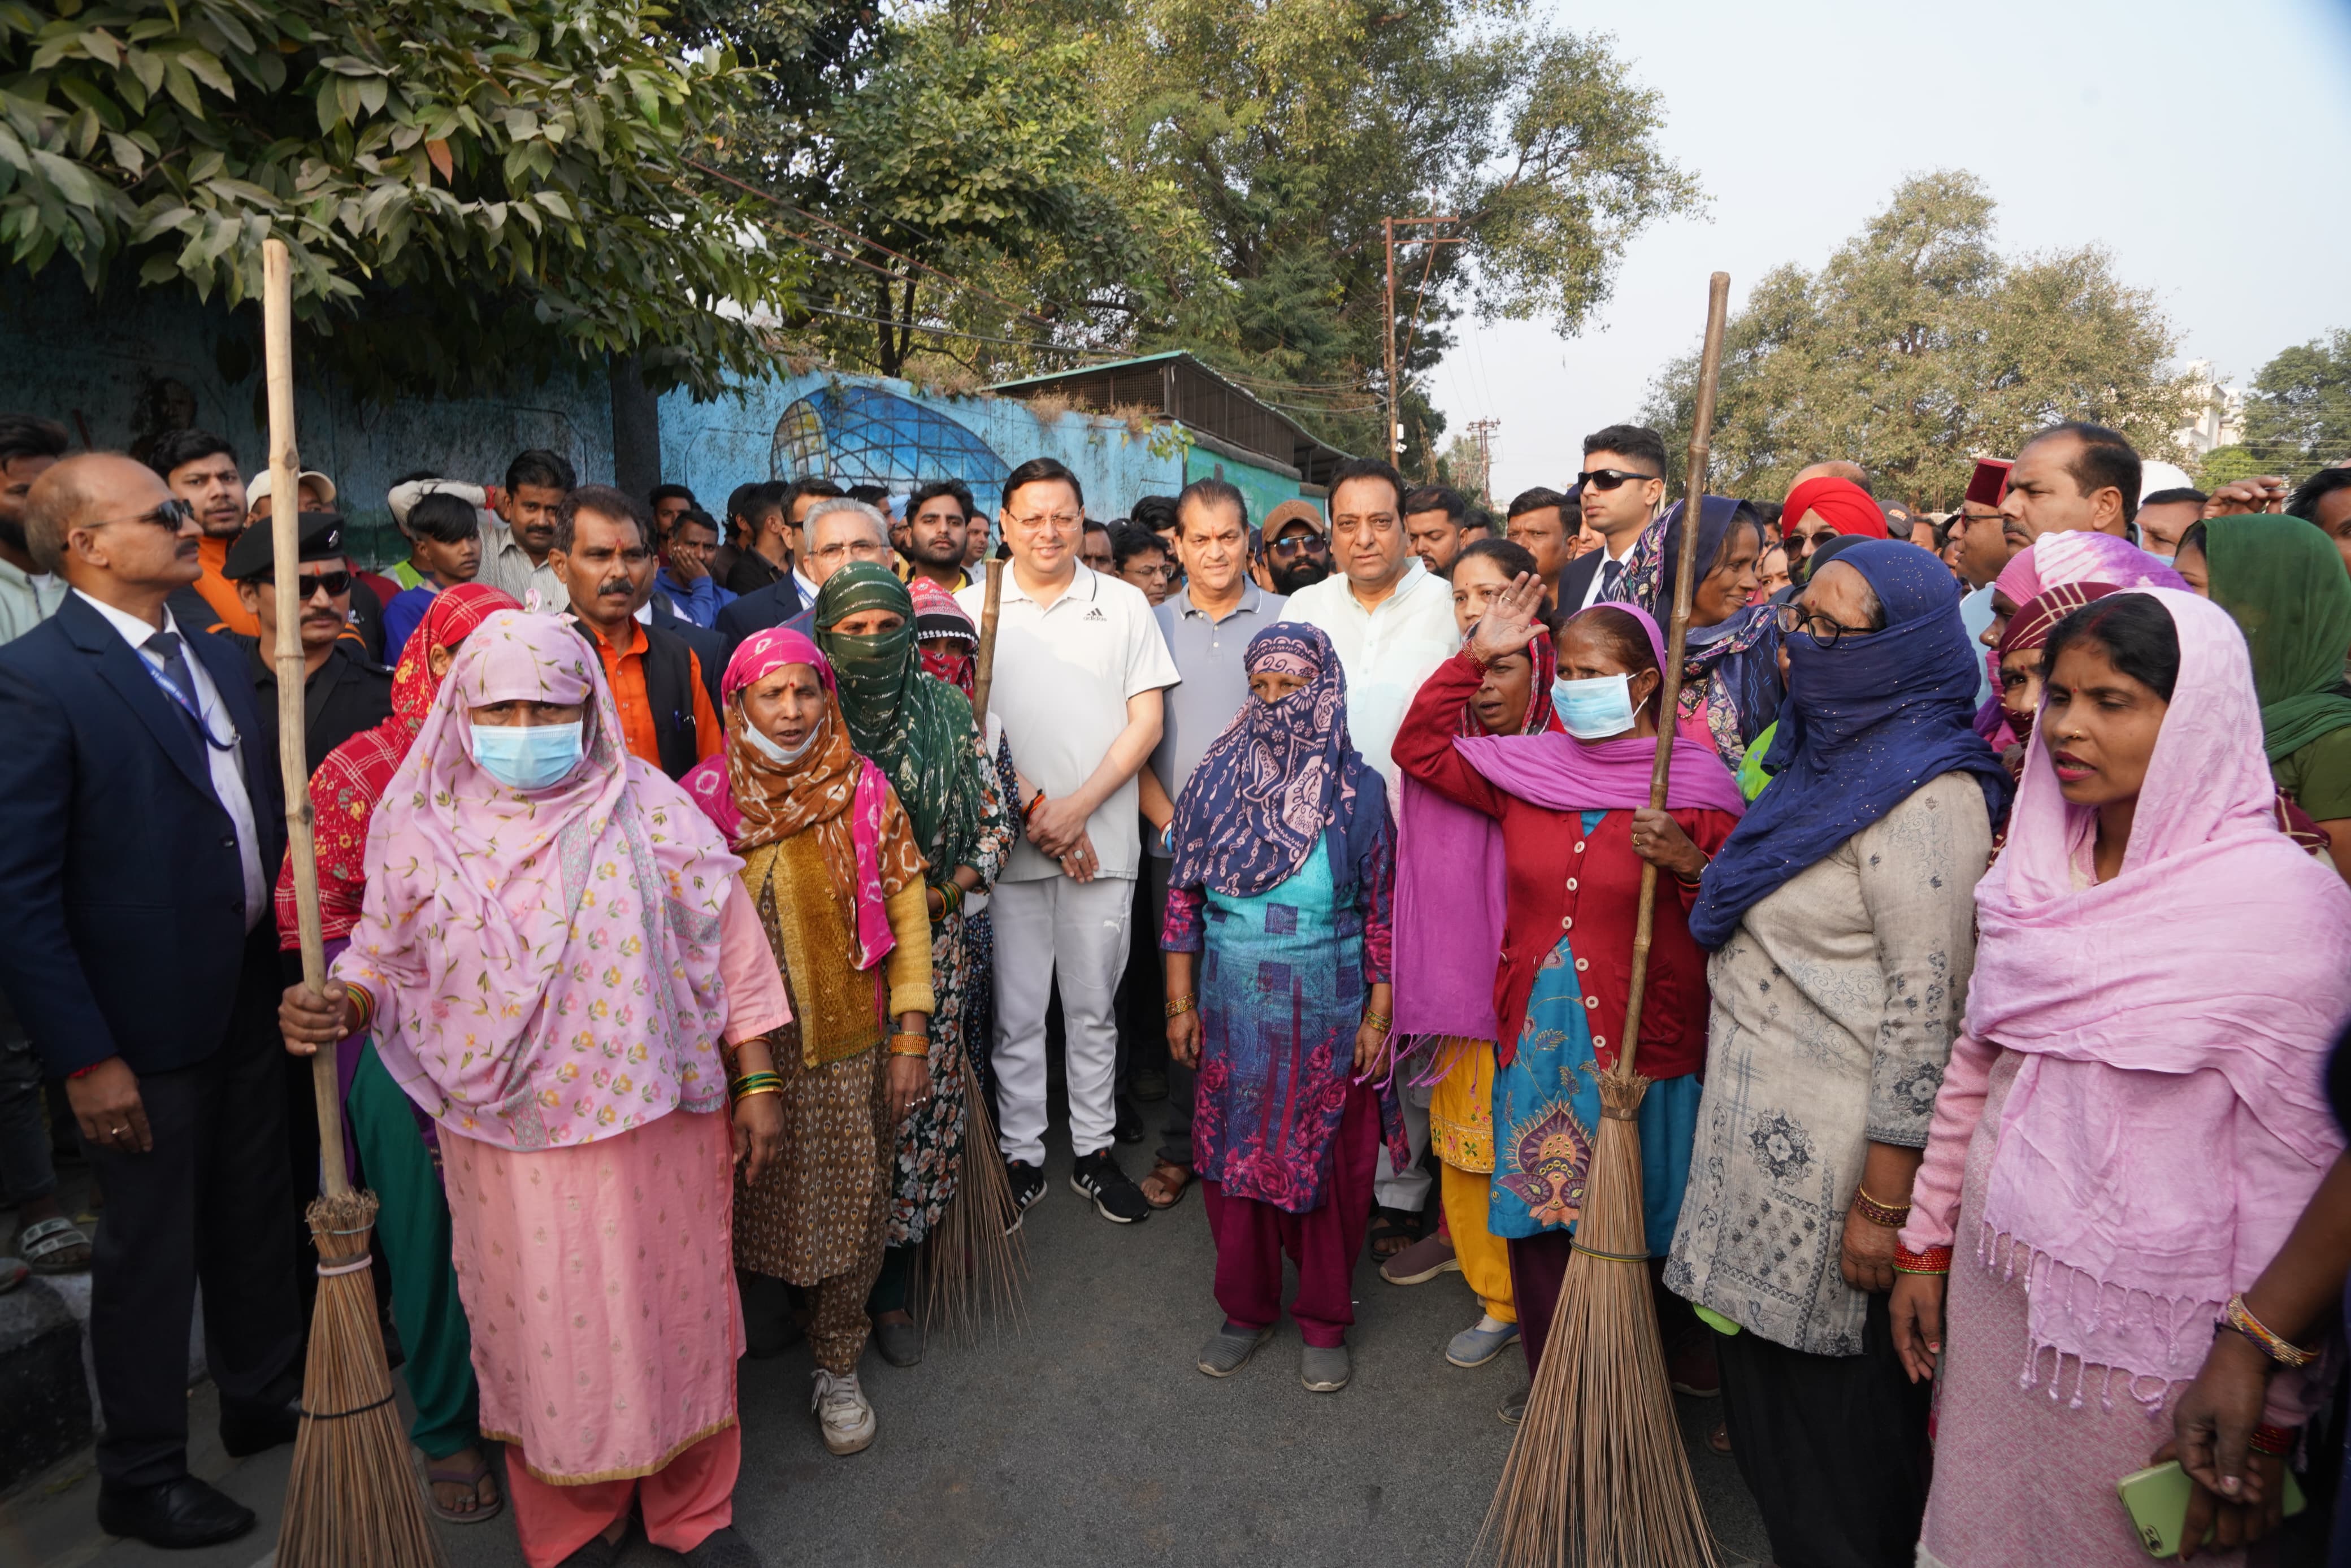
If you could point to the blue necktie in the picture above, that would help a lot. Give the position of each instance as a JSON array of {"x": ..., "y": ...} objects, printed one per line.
[{"x": 165, "y": 645}]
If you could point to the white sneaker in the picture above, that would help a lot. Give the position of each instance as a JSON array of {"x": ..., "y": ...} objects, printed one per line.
[{"x": 843, "y": 1411}]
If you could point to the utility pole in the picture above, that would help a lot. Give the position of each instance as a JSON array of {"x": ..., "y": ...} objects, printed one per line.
[
  {"x": 1388, "y": 227},
  {"x": 1482, "y": 432}
]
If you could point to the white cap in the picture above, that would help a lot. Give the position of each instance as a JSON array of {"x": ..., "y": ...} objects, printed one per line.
[
  {"x": 258, "y": 486},
  {"x": 2156, "y": 475}
]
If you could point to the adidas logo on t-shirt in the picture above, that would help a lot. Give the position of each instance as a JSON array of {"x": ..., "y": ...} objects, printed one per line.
[{"x": 1094, "y": 613}]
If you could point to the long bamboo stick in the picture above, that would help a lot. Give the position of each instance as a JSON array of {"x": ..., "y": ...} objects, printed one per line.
[
  {"x": 1669, "y": 692},
  {"x": 286, "y": 530},
  {"x": 984, "y": 664}
]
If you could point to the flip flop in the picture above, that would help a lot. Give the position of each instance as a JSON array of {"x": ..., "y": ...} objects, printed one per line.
[
  {"x": 38, "y": 1243},
  {"x": 457, "y": 1473},
  {"x": 1172, "y": 1178}
]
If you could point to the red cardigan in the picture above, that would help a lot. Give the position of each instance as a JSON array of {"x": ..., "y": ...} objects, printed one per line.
[{"x": 1561, "y": 882}]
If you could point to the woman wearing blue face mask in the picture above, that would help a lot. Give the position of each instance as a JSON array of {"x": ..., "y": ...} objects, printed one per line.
[{"x": 1547, "y": 875}]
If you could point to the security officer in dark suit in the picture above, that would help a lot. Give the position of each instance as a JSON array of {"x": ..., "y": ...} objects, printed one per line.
[
  {"x": 345, "y": 691},
  {"x": 139, "y": 837}
]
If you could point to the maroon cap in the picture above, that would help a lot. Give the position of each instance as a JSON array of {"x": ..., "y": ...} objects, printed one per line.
[{"x": 1990, "y": 481}]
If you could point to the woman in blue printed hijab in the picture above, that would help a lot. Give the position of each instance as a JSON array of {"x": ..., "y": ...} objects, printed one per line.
[{"x": 1843, "y": 915}]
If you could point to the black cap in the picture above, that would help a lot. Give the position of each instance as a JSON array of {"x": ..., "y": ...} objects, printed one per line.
[{"x": 254, "y": 553}]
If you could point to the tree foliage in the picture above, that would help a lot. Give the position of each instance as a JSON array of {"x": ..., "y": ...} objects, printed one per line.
[
  {"x": 2297, "y": 414},
  {"x": 470, "y": 187},
  {"x": 1210, "y": 175},
  {"x": 1919, "y": 347}
]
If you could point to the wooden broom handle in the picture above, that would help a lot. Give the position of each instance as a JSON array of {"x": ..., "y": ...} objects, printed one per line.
[
  {"x": 1669, "y": 690},
  {"x": 285, "y": 533},
  {"x": 984, "y": 664}
]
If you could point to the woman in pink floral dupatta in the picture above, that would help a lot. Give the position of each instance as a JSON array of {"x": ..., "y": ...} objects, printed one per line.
[
  {"x": 551, "y": 950},
  {"x": 2122, "y": 1140}
]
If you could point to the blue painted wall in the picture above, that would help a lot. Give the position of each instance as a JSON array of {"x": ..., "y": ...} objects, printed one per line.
[
  {"x": 115, "y": 370},
  {"x": 711, "y": 447}
]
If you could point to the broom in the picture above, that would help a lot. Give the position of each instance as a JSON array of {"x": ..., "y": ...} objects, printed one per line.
[
  {"x": 1597, "y": 1475},
  {"x": 350, "y": 1500},
  {"x": 973, "y": 1266}
]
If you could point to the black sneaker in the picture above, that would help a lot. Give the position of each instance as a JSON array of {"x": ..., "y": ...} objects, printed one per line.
[
  {"x": 1028, "y": 1184},
  {"x": 1116, "y": 1200}
]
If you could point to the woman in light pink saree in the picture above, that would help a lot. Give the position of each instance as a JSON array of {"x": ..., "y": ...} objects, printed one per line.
[
  {"x": 2122, "y": 1140},
  {"x": 557, "y": 964}
]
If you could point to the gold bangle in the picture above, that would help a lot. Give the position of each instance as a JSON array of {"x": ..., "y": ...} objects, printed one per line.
[
  {"x": 1876, "y": 1213},
  {"x": 920, "y": 1046},
  {"x": 756, "y": 1091},
  {"x": 1380, "y": 1021},
  {"x": 1178, "y": 1006}
]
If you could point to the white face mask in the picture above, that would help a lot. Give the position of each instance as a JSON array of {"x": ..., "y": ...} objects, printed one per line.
[
  {"x": 774, "y": 751},
  {"x": 1595, "y": 709}
]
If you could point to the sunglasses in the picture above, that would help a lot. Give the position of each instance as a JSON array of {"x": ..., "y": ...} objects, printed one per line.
[
  {"x": 170, "y": 517},
  {"x": 335, "y": 583},
  {"x": 1311, "y": 544},
  {"x": 1608, "y": 478}
]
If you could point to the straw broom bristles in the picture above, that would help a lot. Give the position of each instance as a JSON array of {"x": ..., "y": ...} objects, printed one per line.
[
  {"x": 350, "y": 1501},
  {"x": 972, "y": 1265},
  {"x": 1597, "y": 1475},
  {"x": 350, "y": 1497}
]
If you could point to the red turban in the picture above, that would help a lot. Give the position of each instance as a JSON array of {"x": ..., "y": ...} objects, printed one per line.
[{"x": 1845, "y": 504}]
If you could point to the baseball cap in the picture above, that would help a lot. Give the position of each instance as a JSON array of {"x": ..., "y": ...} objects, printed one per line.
[{"x": 258, "y": 486}]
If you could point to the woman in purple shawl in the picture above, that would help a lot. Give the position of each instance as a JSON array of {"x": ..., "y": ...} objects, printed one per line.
[
  {"x": 1279, "y": 889},
  {"x": 1553, "y": 895}
]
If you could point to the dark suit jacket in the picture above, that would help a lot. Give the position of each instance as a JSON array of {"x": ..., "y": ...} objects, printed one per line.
[
  {"x": 121, "y": 899},
  {"x": 1575, "y": 579},
  {"x": 710, "y": 649},
  {"x": 770, "y": 606}
]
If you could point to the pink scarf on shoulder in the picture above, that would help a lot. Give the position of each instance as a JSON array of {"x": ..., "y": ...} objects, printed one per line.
[{"x": 2169, "y": 1122}]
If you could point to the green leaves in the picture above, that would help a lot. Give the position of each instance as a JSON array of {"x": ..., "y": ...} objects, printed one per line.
[
  {"x": 1917, "y": 348},
  {"x": 389, "y": 142},
  {"x": 2298, "y": 410}
]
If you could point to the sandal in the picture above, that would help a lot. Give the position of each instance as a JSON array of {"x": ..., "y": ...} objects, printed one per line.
[
  {"x": 39, "y": 1243},
  {"x": 454, "y": 1471},
  {"x": 1719, "y": 1439},
  {"x": 1173, "y": 1181},
  {"x": 1392, "y": 1230}
]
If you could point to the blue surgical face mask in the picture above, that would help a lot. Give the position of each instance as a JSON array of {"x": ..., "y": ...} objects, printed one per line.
[
  {"x": 775, "y": 751},
  {"x": 527, "y": 757},
  {"x": 1595, "y": 709}
]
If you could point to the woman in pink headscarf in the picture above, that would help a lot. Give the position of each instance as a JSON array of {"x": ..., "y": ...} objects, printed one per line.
[
  {"x": 2121, "y": 1144},
  {"x": 554, "y": 963},
  {"x": 830, "y": 863},
  {"x": 2072, "y": 560}
]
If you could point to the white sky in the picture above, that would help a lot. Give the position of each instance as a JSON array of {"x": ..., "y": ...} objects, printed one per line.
[{"x": 2207, "y": 146}]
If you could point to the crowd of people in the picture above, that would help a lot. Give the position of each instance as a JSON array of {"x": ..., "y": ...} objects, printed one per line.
[{"x": 686, "y": 909}]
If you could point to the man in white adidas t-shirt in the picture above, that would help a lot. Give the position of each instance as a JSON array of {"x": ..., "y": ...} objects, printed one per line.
[{"x": 1079, "y": 666}]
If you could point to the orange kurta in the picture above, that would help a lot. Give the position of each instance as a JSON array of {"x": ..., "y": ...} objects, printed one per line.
[
  {"x": 625, "y": 671},
  {"x": 219, "y": 591}
]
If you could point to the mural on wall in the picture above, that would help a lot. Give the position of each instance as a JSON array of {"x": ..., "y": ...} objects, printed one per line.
[{"x": 859, "y": 434}]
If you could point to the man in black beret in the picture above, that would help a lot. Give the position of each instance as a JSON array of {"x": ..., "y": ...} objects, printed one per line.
[{"x": 344, "y": 692}]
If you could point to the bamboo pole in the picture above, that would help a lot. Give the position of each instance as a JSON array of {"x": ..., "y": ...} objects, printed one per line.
[
  {"x": 983, "y": 665},
  {"x": 1669, "y": 692},
  {"x": 350, "y": 1498}
]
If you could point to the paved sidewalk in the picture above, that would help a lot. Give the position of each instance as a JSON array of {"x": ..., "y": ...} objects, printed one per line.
[{"x": 1085, "y": 1437}]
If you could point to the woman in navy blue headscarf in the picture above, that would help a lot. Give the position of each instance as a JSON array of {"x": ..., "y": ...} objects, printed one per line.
[{"x": 1842, "y": 912}]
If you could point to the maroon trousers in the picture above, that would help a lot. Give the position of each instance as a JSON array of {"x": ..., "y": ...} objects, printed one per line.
[
  {"x": 1252, "y": 1236},
  {"x": 1538, "y": 1264}
]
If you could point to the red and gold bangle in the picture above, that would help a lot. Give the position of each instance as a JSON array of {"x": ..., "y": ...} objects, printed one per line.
[
  {"x": 1934, "y": 1261},
  {"x": 904, "y": 1044},
  {"x": 2274, "y": 1346},
  {"x": 2269, "y": 1439},
  {"x": 1878, "y": 1213},
  {"x": 363, "y": 1004}
]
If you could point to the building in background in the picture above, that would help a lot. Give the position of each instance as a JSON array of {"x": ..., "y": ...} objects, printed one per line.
[{"x": 2216, "y": 416}]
